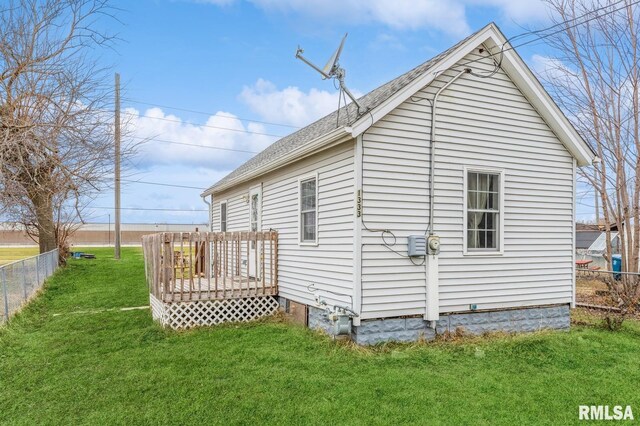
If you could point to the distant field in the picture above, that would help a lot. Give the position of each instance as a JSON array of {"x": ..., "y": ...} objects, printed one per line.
[{"x": 11, "y": 254}]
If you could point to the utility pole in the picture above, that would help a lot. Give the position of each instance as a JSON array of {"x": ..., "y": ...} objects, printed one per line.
[
  {"x": 595, "y": 192},
  {"x": 595, "y": 196},
  {"x": 117, "y": 169}
]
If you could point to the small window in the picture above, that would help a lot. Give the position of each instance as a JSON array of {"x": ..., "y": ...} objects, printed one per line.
[
  {"x": 308, "y": 211},
  {"x": 254, "y": 212},
  {"x": 483, "y": 211},
  {"x": 223, "y": 217}
]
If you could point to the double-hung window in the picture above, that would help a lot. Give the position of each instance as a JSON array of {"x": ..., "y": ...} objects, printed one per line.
[
  {"x": 223, "y": 217},
  {"x": 308, "y": 189},
  {"x": 483, "y": 211}
]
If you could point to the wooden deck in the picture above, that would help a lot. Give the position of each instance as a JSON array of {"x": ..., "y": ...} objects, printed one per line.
[
  {"x": 196, "y": 266},
  {"x": 224, "y": 288}
]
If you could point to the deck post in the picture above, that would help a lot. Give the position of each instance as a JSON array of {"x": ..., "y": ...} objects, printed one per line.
[
  {"x": 256, "y": 275},
  {"x": 248, "y": 262},
  {"x": 207, "y": 261},
  {"x": 200, "y": 269},
  {"x": 181, "y": 265},
  {"x": 216, "y": 268},
  {"x": 191, "y": 283},
  {"x": 168, "y": 265},
  {"x": 262, "y": 260},
  {"x": 234, "y": 260},
  {"x": 275, "y": 247}
]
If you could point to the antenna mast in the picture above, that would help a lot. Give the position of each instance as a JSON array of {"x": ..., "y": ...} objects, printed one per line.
[{"x": 332, "y": 70}]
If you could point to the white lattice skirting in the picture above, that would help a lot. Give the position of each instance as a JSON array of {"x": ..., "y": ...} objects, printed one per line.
[{"x": 197, "y": 313}]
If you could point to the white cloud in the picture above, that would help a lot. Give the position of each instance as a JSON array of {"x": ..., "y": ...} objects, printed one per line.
[
  {"x": 222, "y": 130},
  {"x": 289, "y": 105},
  {"x": 387, "y": 41},
  {"x": 450, "y": 17},
  {"x": 399, "y": 14},
  {"x": 217, "y": 2},
  {"x": 551, "y": 69}
]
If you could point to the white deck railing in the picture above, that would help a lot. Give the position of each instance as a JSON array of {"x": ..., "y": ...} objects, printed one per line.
[{"x": 188, "y": 266}]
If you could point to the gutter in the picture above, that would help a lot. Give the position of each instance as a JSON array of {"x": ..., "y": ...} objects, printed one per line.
[
  {"x": 204, "y": 199},
  {"x": 295, "y": 155}
]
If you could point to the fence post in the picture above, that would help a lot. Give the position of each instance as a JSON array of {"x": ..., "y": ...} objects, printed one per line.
[
  {"x": 38, "y": 271},
  {"x": 24, "y": 280},
  {"x": 5, "y": 294}
]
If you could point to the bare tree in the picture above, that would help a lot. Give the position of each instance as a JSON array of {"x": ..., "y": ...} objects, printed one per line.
[
  {"x": 56, "y": 145},
  {"x": 595, "y": 77}
]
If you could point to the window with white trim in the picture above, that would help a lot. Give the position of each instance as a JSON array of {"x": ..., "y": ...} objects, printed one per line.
[
  {"x": 309, "y": 210},
  {"x": 483, "y": 211},
  {"x": 223, "y": 217}
]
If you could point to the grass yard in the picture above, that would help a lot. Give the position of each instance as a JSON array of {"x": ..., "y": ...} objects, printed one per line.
[
  {"x": 11, "y": 254},
  {"x": 58, "y": 366}
]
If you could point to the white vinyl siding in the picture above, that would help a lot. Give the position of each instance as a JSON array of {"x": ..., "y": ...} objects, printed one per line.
[
  {"x": 482, "y": 123},
  {"x": 329, "y": 264},
  {"x": 214, "y": 223}
]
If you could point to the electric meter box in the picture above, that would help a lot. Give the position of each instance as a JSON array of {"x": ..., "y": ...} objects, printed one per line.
[{"x": 417, "y": 245}]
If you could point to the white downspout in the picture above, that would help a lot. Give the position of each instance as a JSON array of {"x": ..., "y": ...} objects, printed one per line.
[
  {"x": 204, "y": 199},
  {"x": 210, "y": 209},
  {"x": 432, "y": 294}
]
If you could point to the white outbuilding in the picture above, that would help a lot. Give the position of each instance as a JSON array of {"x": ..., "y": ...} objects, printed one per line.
[{"x": 447, "y": 201}]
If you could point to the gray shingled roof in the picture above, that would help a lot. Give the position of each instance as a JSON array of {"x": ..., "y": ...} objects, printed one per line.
[{"x": 339, "y": 118}]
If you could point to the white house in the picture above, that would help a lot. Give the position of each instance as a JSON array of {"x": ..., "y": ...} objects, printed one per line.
[{"x": 467, "y": 150}]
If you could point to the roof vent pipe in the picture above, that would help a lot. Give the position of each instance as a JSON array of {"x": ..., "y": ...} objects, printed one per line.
[{"x": 432, "y": 160}]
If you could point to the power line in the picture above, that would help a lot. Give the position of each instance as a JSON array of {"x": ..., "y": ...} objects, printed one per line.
[
  {"x": 533, "y": 32},
  {"x": 193, "y": 144},
  {"x": 211, "y": 114},
  {"x": 162, "y": 184},
  {"x": 146, "y": 209},
  {"x": 204, "y": 125},
  {"x": 542, "y": 37},
  {"x": 502, "y": 50}
]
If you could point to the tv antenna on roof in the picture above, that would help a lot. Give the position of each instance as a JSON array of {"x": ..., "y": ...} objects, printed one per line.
[{"x": 332, "y": 70}]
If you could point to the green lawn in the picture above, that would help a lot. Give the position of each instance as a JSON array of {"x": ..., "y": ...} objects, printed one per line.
[{"x": 115, "y": 367}]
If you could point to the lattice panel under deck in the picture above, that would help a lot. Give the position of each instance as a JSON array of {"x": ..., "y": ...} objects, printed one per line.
[
  {"x": 179, "y": 315},
  {"x": 157, "y": 309}
]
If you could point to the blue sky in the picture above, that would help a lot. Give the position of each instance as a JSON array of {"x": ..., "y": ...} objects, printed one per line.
[{"x": 226, "y": 61}]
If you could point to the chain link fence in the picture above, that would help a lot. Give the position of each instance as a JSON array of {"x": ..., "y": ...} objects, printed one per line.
[
  {"x": 607, "y": 289},
  {"x": 22, "y": 279}
]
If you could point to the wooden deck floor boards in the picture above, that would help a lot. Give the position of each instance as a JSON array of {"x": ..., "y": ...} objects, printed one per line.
[{"x": 227, "y": 288}]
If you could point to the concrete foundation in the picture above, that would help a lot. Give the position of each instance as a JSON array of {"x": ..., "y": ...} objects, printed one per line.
[
  {"x": 411, "y": 329},
  {"x": 508, "y": 320},
  {"x": 372, "y": 332}
]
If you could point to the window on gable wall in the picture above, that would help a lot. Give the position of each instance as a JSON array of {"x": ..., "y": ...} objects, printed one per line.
[
  {"x": 223, "y": 217},
  {"x": 308, "y": 211},
  {"x": 483, "y": 211}
]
